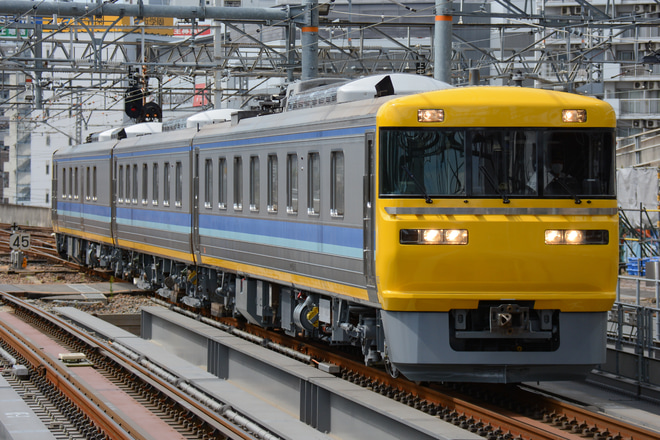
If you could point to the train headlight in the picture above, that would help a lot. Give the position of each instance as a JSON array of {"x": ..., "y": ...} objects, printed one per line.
[
  {"x": 574, "y": 115},
  {"x": 573, "y": 237},
  {"x": 433, "y": 236},
  {"x": 576, "y": 236},
  {"x": 553, "y": 237},
  {"x": 456, "y": 236},
  {"x": 430, "y": 115}
]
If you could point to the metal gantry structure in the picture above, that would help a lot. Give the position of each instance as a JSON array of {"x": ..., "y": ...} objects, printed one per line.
[{"x": 88, "y": 47}]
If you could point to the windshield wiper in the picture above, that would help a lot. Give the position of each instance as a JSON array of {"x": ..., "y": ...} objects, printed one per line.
[
  {"x": 420, "y": 186},
  {"x": 568, "y": 190},
  {"x": 494, "y": 184}
]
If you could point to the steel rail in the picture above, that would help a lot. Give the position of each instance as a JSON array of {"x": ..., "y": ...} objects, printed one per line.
[{"x": 573, "y": 417}]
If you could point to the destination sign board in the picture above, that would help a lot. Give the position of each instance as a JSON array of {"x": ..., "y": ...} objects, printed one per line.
[{"x": 152, "y": 25}]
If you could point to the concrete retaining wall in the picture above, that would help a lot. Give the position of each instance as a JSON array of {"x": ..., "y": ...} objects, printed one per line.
[{"x": 25, "y": 215}]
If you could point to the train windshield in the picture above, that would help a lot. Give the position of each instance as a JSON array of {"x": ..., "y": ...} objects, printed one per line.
[{"x": 496, "y": 162}]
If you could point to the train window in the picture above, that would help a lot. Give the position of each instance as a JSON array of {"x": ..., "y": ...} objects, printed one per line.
[
  {"x": 314, "y": 184},
  {"x": 154, "y": 183},
  {"x": 128, "y": 184},
  {"x": 337, "y": 184},
  {"x": 578, "y": 163},
  {"x": 166, "y": 184},
  {"x": 75, "y": 183},
  {"x": 63, "y": 182},
  {"x": 254, "y": 183},
  {"x": 238, "y": 183},
  {"x": 272, "y": 183},
  {"x": 94, "y": 180},
  {"x": 120, "y": 184},
  {"x": 178, "y": 185},
  {"x": 422, "y": 162},
  {"x": 88, "y": 184},
  {"x": 135, "y": 184},
  {"x": 503, "y": 162},
  {"x": 222, "y": 183},
  {"x": 145, "y": 183},
  {"x": 292, "y": 184},
  {"x": 208, "y": 183}
]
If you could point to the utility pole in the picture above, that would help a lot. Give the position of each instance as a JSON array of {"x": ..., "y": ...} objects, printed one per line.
[
  {"x": 442, "y": 35},
  {"x": 310, "y": 40}
]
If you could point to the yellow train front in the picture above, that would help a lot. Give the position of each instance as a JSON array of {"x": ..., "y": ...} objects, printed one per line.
[{"x": 496, "y": 233}]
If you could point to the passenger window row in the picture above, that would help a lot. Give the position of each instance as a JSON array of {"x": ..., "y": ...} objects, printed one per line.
[
  {"x": 272, "y": 179},
  {"x": 133, "y": 183},
  {"x": 70, "y": 187}
]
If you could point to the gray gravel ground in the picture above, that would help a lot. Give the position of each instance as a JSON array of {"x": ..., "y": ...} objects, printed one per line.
[{"x": 46, "y": 273}]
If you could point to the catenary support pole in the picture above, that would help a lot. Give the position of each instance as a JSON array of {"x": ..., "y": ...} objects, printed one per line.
[{"x": 442, "y": 43}]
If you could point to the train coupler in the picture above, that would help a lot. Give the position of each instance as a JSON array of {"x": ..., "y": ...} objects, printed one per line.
[{"x": 509, "y": 319}]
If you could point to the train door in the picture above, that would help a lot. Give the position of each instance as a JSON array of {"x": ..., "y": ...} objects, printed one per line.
[
  {"x": 194, "y": 237},
  {"x": 54, "y": 194},
  {"x": 78, "y": 197},
  {"x": 113, "y": 197},
  {"x": 368, "y": 210}
]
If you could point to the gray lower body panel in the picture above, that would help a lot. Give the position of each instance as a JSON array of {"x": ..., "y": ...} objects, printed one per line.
[
  {"x": 299, "y": 262},
  {"x": 418, "y": 345}
]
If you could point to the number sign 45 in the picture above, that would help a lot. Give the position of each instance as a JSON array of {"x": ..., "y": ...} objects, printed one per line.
[{"x": 19, "y": 241}]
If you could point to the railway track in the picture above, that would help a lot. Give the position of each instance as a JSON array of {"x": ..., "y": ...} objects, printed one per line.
[
  {"x": 493, "y": 412},
  {"x": 108, "y": 396},
  {"x": 42, "y": 242}
]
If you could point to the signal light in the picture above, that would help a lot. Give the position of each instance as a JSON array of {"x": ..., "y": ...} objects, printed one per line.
[
  {"x": 133, "y": 102},
  {"x": 152, "y": 112}
]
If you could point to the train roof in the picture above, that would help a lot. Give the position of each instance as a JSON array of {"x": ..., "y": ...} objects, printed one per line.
[
  {"x": 299, "y": 96},
  {"x": 210, "y": 117},
  {"x": 402, "y": 84},
  {"x": 170, "y": 139},
  {"x": 504, "y": 106},
  {"x": 357, "y": 113},
  {"x": 84, "y": 150}
]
